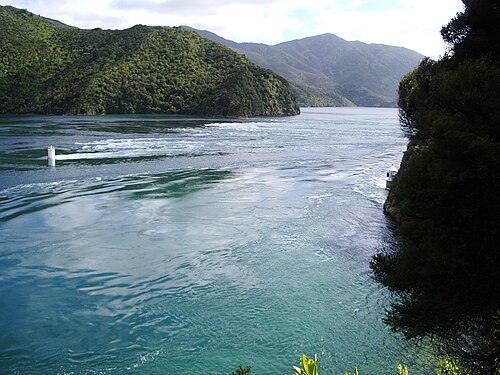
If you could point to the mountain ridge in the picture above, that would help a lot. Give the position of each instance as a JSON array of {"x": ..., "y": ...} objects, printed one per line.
[{"x": 332, "y": 69}]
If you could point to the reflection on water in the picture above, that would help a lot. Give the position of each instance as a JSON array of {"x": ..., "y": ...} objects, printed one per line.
[
  {"x": 168, "y": 244},
  {"x": 157, "y": 186}
]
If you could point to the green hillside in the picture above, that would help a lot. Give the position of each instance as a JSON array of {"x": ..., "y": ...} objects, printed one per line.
[
  {"x": 47, "y": 67},
  {"x": 326, "y": 70}
]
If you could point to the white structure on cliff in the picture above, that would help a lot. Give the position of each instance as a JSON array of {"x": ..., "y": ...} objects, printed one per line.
[{"x": 391, "y": 173}]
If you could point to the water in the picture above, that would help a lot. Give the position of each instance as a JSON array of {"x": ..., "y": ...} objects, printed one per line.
[{"x": 167, "y": 245}]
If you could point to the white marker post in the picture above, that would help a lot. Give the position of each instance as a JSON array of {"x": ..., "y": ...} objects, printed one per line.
[{"x": 51, "y": 156}]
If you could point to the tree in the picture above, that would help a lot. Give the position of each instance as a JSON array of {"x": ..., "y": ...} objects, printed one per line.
[
  {"x": 445, "y": 274},
  {"x": 474, "y": 32}
]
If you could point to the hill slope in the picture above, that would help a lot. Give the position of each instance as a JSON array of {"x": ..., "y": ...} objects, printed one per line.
[
  {"x": 48, "y": 67},
  {"x": 328, "y": 70}
]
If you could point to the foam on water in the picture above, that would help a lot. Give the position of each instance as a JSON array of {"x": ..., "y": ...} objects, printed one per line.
[{"x": 253, "y": 252}]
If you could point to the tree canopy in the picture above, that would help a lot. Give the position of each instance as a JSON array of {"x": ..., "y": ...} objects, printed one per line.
[
  {"x": 446, "y": 271},
  {"x": 51, "y": 69}
]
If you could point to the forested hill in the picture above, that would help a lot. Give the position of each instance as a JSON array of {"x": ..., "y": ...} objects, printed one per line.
[
  {"x": 326, "y": 70},
  {"x": 47, "y": 67}
]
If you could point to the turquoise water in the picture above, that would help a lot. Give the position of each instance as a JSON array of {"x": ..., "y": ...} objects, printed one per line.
[{"x": 168, "y": 245}]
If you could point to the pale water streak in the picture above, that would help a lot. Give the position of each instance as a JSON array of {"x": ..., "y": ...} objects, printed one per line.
[{"x": 166, "y": 245}]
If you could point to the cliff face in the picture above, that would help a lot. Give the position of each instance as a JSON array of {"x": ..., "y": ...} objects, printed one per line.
[
  {"x": 50, "y": 68},
  {"x": 393, "y": 202},
  {"x": 391, "y": 208}
]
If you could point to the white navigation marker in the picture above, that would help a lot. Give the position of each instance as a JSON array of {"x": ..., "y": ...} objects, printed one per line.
[{"x": 51, "y": 156}]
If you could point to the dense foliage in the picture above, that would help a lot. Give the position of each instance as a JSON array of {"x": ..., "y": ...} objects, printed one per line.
[
  {"x": 51, "y": 69},
  {"x": 446, "y": 194}
]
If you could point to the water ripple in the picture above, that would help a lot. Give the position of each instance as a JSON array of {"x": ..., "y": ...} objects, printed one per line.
[{"x": 175, "y": 245}]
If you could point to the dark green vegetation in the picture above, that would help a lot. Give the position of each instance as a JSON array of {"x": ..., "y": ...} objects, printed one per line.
[
  {"x": 241, "y": 370},
  {"x": 326, "y": 70},
  {"x": 49, "y": 68},
  {"x": 446, "y": 195}
]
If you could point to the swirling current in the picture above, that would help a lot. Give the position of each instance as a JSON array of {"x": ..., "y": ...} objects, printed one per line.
[{"x": 167, "y": 245}]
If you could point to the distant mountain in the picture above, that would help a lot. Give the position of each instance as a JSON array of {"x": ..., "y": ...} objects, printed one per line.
[
  {"x": 51, "y": 68},
  {"x": 328, "y": 70}
]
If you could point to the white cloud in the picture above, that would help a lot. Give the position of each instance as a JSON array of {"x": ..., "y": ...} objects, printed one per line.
[{"x": 411, "y": 24}]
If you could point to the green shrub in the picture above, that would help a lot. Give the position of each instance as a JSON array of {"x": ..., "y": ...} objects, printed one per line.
[
  {"x": 307, "y": 366},
  {"x": 447, "y": 366},
  {"x": 241, "y": 370}
]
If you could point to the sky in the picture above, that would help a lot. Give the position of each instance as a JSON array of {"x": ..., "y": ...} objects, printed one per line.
[{"x": 413, "y": 24}]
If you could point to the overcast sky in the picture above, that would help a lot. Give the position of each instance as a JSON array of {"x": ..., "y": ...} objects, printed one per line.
[{"x": 414, "y": 24}]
